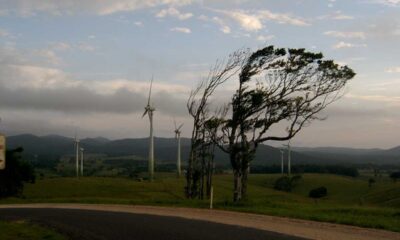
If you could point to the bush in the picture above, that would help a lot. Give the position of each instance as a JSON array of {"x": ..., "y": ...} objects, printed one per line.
[
  {"x": 17, "y": 172},
  {"x": 318, "y": 192},
  {"x": 286, "y": 183},
  {"x": 309, "y": 168},
  {"x": 371, "y": 181},
  {"x": 395, "y": 175}
]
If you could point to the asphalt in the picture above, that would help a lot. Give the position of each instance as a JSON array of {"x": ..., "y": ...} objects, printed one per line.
[{"x": 93, "y": 224}]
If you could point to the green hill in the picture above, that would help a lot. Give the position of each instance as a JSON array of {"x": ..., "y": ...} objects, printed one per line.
[{"x": 349, "y": 200}]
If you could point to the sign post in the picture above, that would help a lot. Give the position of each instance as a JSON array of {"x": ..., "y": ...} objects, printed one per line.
[{"x": 2, "y": 152}]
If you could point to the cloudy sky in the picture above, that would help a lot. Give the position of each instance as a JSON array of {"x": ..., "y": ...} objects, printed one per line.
[{"x": 87, "y": 63}]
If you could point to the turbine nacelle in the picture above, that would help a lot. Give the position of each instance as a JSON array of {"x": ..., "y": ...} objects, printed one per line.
[{"x": 177, "y": 130}]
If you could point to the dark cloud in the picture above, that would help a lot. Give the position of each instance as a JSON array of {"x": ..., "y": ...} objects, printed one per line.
[{"x": 84, "y": 100}]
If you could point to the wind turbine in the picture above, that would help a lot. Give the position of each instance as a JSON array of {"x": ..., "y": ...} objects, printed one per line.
[
  {"x": 178, "y": 137},
  {"x": 82, "y": 149},
  {"x": 289, "y": 157},
  {"x": 282, "y": 166},
  {"x": 149, "y": 111},
  {"x": 76, "y": 141}
]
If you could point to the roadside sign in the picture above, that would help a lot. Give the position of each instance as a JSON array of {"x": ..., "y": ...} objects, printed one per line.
[{"x": 2, "y": 152}]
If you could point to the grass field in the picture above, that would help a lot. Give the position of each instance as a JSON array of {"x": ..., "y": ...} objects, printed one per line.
[
  {"x": 349, "y": 200},
  {"x": 23, "y": 230}
]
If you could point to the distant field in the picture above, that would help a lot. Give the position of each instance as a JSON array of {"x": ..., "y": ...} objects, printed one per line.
[{"x": 349, "y": 200}]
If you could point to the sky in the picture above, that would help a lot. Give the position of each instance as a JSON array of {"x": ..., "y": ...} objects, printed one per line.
[{"x": 86, "y": 64}]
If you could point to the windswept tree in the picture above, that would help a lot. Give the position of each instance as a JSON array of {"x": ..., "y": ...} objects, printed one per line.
[
  {"x": 198, "y": 106},
  {"x": 288, "y": 87}
]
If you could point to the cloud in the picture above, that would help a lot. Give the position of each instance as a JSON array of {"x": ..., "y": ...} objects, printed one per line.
[
  {"x": 173, "y": 12},
  {"x": 265, "y": 38},
  {"x": 138, "y": 23},
  {"x": 283, "y": 18},
  {"x": 337, "y": 34},
  {"x": 86, "y": 47},
  {"x": 4, "y": 33},
  {"x": 391, "y": 3},
  {"x": 225, "y": 29},
  {"x": 248, "y": 22},
  {"x": 25, "y": 85},
  {"x": 222, "y": 24},
  {"x": 253, "y": 21},
  {"x": 60, "y": 46},
  {"x": 181, "y": 29},
  {"x": 50, "y": 56},
  {"x": 63, "y": 46},
  {"x": 337, "y": 15},
  {"x": 393, "y": 70},
  {"x": 28, "y": 8},
  {"x": 47, "y": 89},
  {"x": 342, "y": 44},
  {"x": 395, "y": 100}
]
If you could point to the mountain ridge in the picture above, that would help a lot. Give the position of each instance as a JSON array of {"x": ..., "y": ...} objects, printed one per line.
[{"x": 165, "y": 150}]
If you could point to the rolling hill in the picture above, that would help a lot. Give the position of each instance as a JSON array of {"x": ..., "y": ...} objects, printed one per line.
[{"x": 55, "y": 146}]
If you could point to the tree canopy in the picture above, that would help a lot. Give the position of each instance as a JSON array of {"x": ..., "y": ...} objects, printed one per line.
[{"x": 16, "y": 173}]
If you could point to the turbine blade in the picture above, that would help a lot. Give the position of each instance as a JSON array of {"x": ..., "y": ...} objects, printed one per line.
[
  {"x": 144, "y": 114},
  {"x": 175, "y": 124},
  {"x": 179, "y": 128},
  {"x": 151, "y": 85}
]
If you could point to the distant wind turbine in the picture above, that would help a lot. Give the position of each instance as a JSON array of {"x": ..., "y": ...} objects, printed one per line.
[
  {"x": 178, "y": 137},
  {"x": 76, "y": 141},
  {"x": 289, "y": 158},
  {"x": 282, "y": 166},
  {"x": 149, "y": 111},
  {"x": 82, "y": 149}
]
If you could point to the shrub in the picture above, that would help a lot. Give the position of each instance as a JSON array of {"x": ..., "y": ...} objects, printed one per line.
[
  {"x": 318, "y": 192},
  {"x": 395, "y": 175},
  {"x": 286, "y": 183},
  {"x": 17, "y": 172},
  {"x": 371, "y": 181}
]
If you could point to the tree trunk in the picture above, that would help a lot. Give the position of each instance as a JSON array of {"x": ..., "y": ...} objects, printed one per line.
[
  {"x": 210, "y": 172},
  {"x": 246, "y": 170},
  {"x": 189, "y": 175},
  {"x": 237, "y": 186}
]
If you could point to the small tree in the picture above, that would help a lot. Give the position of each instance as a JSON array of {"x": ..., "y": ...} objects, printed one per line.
[
  {"x": 17, "y": 172},
  {"x": 276, "y": 85},
  {"x": 370, "y": 182},
  {"x": 286, "y": 183}
]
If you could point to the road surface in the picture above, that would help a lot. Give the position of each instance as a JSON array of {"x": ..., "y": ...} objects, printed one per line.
[
  {"x": 92, "y": 221},
  {"x": 92, "y": 224}
]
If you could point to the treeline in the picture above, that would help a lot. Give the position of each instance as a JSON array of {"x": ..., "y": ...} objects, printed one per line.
[{"x": 309, "y": 168}]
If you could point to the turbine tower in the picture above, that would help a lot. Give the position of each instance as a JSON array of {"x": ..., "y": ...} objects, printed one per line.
[
  {"x": 178, "y": 137},
  {"x": 82, "y": 149},
  {"x": 149, "y": 111},
  {"x": 76, "y": 141},
  {"x": 289, "y": 158},
  {"x": 282, "y": 152}
]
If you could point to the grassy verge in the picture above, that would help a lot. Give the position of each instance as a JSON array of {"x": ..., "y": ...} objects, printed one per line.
[
  {"x": 349, "y": 200},
  {"x": 21, "y": 230}
]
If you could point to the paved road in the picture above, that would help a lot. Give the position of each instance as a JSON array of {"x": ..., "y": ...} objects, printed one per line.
[{"x": 91, "y": 224}]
